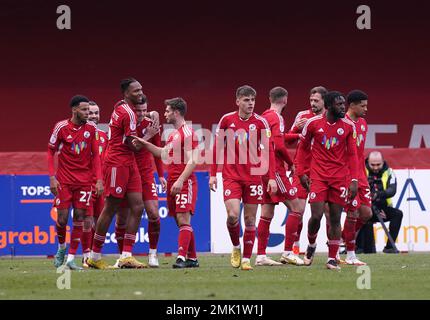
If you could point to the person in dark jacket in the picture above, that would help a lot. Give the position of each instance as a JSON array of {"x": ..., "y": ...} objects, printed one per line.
[{"x": 383, "y": 186}]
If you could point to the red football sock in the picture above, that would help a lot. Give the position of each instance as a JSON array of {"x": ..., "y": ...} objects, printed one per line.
[
  {"x": 184, "y": 238},
  {"x": 333, "y": 248},
  {"x": 348, "y": 233},
  {"x": 98, "y": 242},
  {"x": 299, "y": 231},
  {"x": 291, "y": 227},
  {"x": 248, "y": 241},
  {"x": 129, "y": 241},
  {"x": 263, "y": 235},
  {"x": 191, "y": 254},
  {"x": 234, "y": 231},
  {"x": 75, "y": 238},
  {"x": 61, "y": 233},
  {"x": 119, "y": 236},
  {"x": 153, "y": 233},
  {"x": 86, "y": 240}
]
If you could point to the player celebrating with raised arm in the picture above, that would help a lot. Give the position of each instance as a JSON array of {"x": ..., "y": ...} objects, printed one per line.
[
  {"x": 286, "y": 193},
  {"x": 97, "y": 202},
  {"x": 121, "y": 178},
  {"x": 181, "y": 154},
  {"x": 76, "y": 142},
  {"x": 359, "y": 209},
  {"x": 333, "y": 171},
  {"x": 237, "y": 133}
]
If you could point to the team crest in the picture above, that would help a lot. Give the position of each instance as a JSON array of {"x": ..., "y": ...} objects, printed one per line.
[
  {"x": 118, "y": 190},
  {"x": 57, "y": 201},
  {"x": 143, "y": 131},
  {"x": 132, "y": 126},
  {"x": 252, "y": 127},
  {"x": 363, "y": 128},
  {"x": 176, "y": 136},
  {"x": 354, "y": 203},
  {"x": 312, "y": 195},
  {"x": 86, "y": 134},
  {"x": 102, "y": 139},
  {"x": 292, "y": 191},
  {"x": 340, "y": 131},
  {"x": 227, "y": 192},
  {"x": 53, "y": 139}
]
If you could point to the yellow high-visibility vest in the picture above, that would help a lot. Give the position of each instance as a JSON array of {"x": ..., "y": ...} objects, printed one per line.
[{"x": 384, "y": 179}]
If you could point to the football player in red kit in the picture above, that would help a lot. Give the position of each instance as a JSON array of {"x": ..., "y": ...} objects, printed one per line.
[
  {"x": 97, "y": 203},
  {"x": 144, "y": 159},
  {"x": 241, "y": 137},
  {"x": 359, "y": 209},
  {"x": 180, "y": 154},
  {"x": 121, "y": 178},
  {"x": 286, "y": 193},
  {"x": 333, "y": 171},
  {"x": 316, "y": 108},
  {"x": 76, "y": 142}
]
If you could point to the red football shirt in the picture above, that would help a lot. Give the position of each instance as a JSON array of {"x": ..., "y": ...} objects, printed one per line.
[
  {"x": 75, "y": 145},
  {"x": 122, "y": 125},
  {"x": 277, "y": 128},
  {"x": 144, "y": 158},
  {"x": 361, "y": 128},
  {"x": 178, "y": 144},
  {"x": 306, "y": 114},
  {"x": 334, "y": 150},
  {"x": 240, "y": 156}
]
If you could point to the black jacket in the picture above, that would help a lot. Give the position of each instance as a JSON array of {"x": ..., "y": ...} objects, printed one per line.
[{"x": 379, "y": 194}]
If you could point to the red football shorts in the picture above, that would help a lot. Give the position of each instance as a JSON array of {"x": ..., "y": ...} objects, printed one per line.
[
  {"x": 285, "y": 190},
  {"x": 185, "y": 201},
  {"x": 248, "y": 192},
  {"x": 301, "y": 192},
  {"x": 78, "y": 196},
  {"x": 120, "y": 180},
  {"x": 334, "y": 191},
  {"x": 362, "y": 198}
]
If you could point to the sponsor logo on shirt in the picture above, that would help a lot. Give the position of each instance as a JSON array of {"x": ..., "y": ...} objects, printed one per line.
[
  {"x": 79, "y": 147},
  {"x": 232, "y": 126},
  {"x": 69, "y": 137},
  {"x": 329, "y": 142},
  {"x": 321, "y": 130}
]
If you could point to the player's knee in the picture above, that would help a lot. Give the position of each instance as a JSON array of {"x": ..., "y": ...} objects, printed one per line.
[
  {"x": 249, "y": 221},
  {"x": 152, "y": 213},
  {"x": 232, "y": 219},
  {"x": 137, "y": 208}
]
